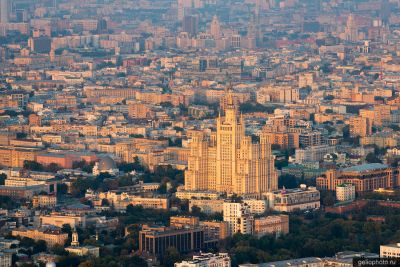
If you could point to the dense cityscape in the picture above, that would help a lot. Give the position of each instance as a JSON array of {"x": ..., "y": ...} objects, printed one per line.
[{"x": 199, "y": 133}]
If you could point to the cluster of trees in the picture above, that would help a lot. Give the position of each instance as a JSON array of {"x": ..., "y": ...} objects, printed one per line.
[
  {"x": 103, "y": 182},
  {"x": 36, "y": 166},
  {"x": 164, "y": 175},
  {"x": 250, "y": 107},
  {"x": 7, "y": 203},
  {"x": 30, "y": 246},
  {"x": 83, "y": 165}
]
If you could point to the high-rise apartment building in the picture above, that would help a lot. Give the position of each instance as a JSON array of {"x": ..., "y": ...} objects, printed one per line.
[
  {"x": 360, "y": 126},
  {"x": 229, "y": 161},
  {"x": 239, "y": 218}
]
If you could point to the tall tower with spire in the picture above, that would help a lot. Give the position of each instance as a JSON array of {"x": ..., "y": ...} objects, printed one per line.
[
  {"x": 229, "y": 161},
  {"x": 215, "y": 28}
]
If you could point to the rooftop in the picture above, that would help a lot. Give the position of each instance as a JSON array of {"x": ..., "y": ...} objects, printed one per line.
[
  {"x": 366, "y": 167},
  {"x": 293, "y": 262}
]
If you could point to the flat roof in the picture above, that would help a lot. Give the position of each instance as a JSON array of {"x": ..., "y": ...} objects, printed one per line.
[
  {"x": 293, "y": 262},
  {"x": 366, "y": 167}
]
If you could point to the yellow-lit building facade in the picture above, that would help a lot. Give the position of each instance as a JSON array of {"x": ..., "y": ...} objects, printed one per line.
[{"x": 229, "y": 161}]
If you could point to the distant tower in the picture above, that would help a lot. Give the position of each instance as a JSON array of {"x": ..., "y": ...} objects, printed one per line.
[
  {"x": 351, "y": 30},
  {"x": 215, "y": 28},
  {"x": 4, "y": 10},
  {"x": 184, "y": 7},
  {"x": 190, "y": 24},
  {"x": 75, "y": 239}
]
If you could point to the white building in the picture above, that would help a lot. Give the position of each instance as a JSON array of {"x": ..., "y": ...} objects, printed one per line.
[
  {"x": 345, "y": 192},
  {"x": 256, "y": 206},
  {"x": 313, "y": 153},
  {"x": 390, "y": 251},
  {"x": 207, "y": 260},
  {"x": 238, "y": 217}
]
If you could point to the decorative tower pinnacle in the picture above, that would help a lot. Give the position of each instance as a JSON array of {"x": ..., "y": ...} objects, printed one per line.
[{"x": 75, "y": 239}]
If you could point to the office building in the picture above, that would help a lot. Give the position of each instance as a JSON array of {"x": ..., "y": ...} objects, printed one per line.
[
  {"x": 155, "y": 240},
  {"x": 365, "y": 177}
]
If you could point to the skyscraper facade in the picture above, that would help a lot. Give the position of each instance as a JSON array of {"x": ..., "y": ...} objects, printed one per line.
[
  {"x": 190, "y": 25},
  {"x": 229, "y": 161},
  {"x": 215, "y": 28},
  {"x": 4, "y": 10}
]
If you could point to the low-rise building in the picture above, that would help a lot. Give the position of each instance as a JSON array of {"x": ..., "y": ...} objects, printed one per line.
[
  {"x": 289, "y": 200},
  {"x": 277, "y": 225},
  {"x": 52, "y": 236},
  {"x": 155, "y": 240},
  {"x": 208, "y": 206},
  {"x": 365, "y": 177},
  {"x": 59, "y": 219},
  {"x": 207, "y": 260},
  {"x": 44, "y": 201},
  {"x": 390, "y": 251}
]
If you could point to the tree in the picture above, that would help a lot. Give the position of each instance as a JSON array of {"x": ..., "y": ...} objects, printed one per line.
[
  {"x": 66, "y": 228},
  {"x": 39, "y": 246},
  {"x": 372, "y": 158},
  {"x": 328, "y": 198},
  {"x": 105, "y": 202},
  {"x": 170, "y": 257},
  {"x": 68, "y": 260},
  {"x": 287, "y": 181},
  {"x": 33, "y": 165},
  {"x": 3, "y": 178},
  {"x": 59, "y": 250},
  {"x": 27, "y": 242},
  {"x": 62, "y": 189},
  {"x": 86, "y": 264},
  {"x": 53, "y": 167}
]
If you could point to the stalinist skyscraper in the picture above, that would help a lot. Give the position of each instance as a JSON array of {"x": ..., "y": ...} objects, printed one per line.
[{"x": 229, "y": 161}]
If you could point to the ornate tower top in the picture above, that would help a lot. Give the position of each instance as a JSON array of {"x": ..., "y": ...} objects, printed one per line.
[{"x": 75, "y": 239}]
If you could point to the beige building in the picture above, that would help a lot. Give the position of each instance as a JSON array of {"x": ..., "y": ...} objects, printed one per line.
[
  {"x": 289, "y": 200},
  {"x": 59, "y": 220},
  {"x": 208, "y": 206},
  {"x": 390, "y": 251},
  {"x": 278, "y": 225},
  {"x": 198, "y": 194},
  {"x": 360, "y": 126},
  {"x": 44, "y": 201},
  {"x": 51, "y": 236},
  {"x": 228, "y": 160}
]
